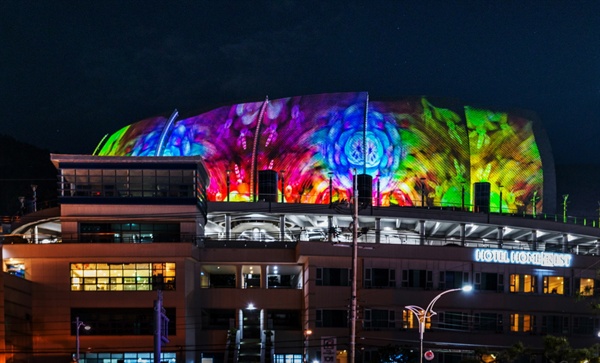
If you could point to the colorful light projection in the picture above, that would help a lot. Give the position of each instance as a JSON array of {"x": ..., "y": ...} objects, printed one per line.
[
  {"x": 504, "y": 153},
  {"x": 414, "y": 149}
]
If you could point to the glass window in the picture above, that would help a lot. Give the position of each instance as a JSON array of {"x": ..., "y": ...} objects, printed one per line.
[
  {"x": 554, "y": 285},
  {"x": 521, "y": 322},
  {"x": 522, "y": 283},
  {"x": 586, "y": 287},
  {"x": 122, "y": 276},
  {"x": 333, "y": 277},
  {"x": 410, "y": 321}
]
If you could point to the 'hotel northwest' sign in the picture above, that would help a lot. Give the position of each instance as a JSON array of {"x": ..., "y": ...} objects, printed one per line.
[{"x": 546, "y": 259}]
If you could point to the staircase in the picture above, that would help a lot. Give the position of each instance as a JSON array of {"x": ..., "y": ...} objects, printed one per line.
[{"x": 250, "y": 343}]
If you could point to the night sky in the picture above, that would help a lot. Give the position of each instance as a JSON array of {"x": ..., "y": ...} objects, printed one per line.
[{"x": 74, "y": 71}]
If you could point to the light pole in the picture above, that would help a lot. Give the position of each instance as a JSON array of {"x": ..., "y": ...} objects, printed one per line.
[
  {"x": 331, "y": 188},
  {"x": 78, "y": 325},
  {"x": 422, "y": 192},
  {"x": 282, "y": 185},
  {"x": 307, "y": 334},
  {"x": 424, "y": 314},
  {"x": 500, "y": 202},
  {"x": 228, "y": 183}
]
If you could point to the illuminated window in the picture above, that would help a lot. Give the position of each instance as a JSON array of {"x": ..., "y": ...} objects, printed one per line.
[
  {"x": 522, "y": 322},
  {"x": 522, "y": 283},
  {"x": 410, "y": 321},
  {"x": 586, "y": 287},
  {"x": 122, "y": 276},
  {"x": 555, "y": 285}
]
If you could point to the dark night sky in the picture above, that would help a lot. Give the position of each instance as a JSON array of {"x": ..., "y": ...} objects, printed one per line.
[{"x": 73, "y": 71}]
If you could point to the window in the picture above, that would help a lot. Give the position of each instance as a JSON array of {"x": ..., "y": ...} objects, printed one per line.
[
  {"x": 584, "y": 325},
  {"x": 284, "y": 319},
  {"x": 378, "y": 319},
  {"x": 586, "y": 287},
  {"x": 122, "y": 276},
  {"x": 556, "y": 285},
  {"x": 120, "y": 321},
  {"x": 410, "y": 321},
  {"x": 147, "y": 183},
  {"x": 453, "y": 321},
  {"x": 522, "y": 323},
  {"x": 453, "y": 279},
  {"x": 333, "y": 277},
  {"x": 332, "y": 318},
  {"x": 282, "y": 281},
  {"x": 380, "y": 277},
  {"x": 215, "y": 319},
  {"x": 417, "y": 278},
  {"x": 522, "y": 283},
  {"x": 486, "y": 281},
  {"x": 129, "y": 232},
  {"x": 488, "y": 322},
  {"x": 554, "y": 324}
]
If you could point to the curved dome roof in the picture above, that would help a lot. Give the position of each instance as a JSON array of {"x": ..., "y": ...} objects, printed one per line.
[{"x": 412, "y": 148}]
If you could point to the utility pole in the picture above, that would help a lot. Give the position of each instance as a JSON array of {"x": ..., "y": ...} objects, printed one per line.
[
  {"x": 353, "y": 300},
  {"x": 161, "y": 324}
]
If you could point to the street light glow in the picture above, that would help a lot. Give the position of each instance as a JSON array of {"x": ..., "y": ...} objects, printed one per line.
[{"x": 424, "y": 314}]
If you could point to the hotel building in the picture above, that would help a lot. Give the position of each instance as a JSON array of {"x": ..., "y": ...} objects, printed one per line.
[{"x": 301, "y": 229}]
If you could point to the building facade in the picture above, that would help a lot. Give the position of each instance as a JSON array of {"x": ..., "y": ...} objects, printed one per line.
[{"x": 299, "y": 230}]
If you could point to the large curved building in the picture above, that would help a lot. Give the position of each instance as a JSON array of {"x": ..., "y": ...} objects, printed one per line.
[
  {"x": 303, "y": 229},
  {"x": 412, "y": 149}
]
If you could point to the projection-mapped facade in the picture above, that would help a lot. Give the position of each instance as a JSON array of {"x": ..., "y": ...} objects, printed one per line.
[{"x": 415, "y": 149}]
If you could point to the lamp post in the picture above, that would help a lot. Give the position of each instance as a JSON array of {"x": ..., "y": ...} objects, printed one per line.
[
  {"x": 424, "y": 314},
  {"x": 422, "y": 192},
  {"x": 228, "y": 183},
  {"x": 462, "y": 194},
  {"x": 282, "y": 185},
  {"x": 307, "y": 334},
  {"x": 330, "y": 188},
  {"x": 353, "y": 299},
  {"x": 500, "y": 203},
  {"x": 78, "y": 325}
]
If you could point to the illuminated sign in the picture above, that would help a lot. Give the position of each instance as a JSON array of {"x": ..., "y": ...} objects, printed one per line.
[{"x": 547, "y": 259}]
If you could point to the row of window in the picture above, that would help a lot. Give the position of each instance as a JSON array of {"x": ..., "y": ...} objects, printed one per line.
[
  {"x": 517, "y": 322},
  {"x": 129, "y": 232},
  {"x": 120, "y": 321},
  {"x": 127, "y": 183},
  {"x": 122, "y": 276},
  {"x": 275, "y": 319},
  {"x": 518, "y": 283}
]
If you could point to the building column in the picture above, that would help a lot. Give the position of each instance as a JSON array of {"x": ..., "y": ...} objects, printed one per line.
[
  {"x": 463, "y": 233},
  {"x": 422, "y": 232},
  {"x": 565, "y": 242},
  {"x": 330, "y": 229},
  {"x": 239, "y": 277},
  {"x": 377, "y": 230},
  {"x": 500, "y": 237},
  {"x": 227, "y": 226},
  {"x": 282, "y": 227},
  {"x": 533, "y": 240}
]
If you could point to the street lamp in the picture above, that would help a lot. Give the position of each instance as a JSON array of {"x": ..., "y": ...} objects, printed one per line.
[
  {"x": 422, "y": 192},
  {"x": 307, "y": 334},
  {"x": 424, "y": 314},
  {"x": 78, "y": 325},
  {"x": 282, "y": 185},
  {"x": 331, "y": 188},
  {"x": 500, "y": 202},
  {"x": 228, "y": 183}
]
